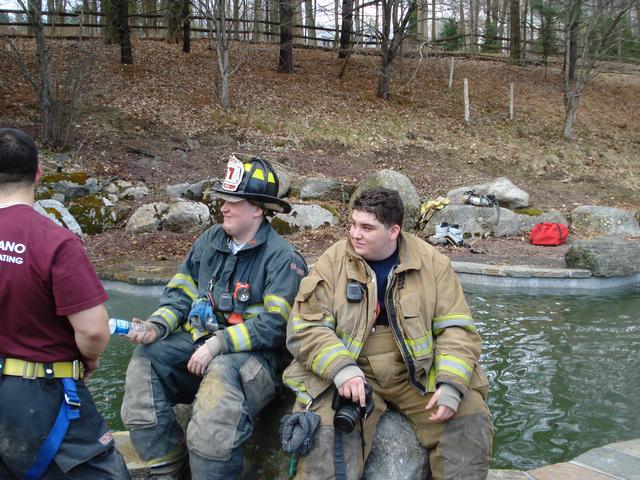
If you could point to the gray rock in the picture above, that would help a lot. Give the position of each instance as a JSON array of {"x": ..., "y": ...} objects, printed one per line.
[
  {"x": 180, "y": 216},
  {"x": 303, "y": 217},
  {"x": 604, "y": 220},
  {"x": 190, "y": 191},
  {"x": 396, "y": 452},
  {"x": 284, "y": 178},
  {"x": 483, "y": 221},
  {"x": 134, "y": 193},
  {"x": 147, "y": 218},
  {"x": 62, "y": 158},
  {"x": 186, "y": 216},
  {"x": 57, "y": 212},
  {"x": 527, "y": 222},
  {"x": 508, "y": 195},
  {"x": 605, "y": 256},
  {"x": 315, "y": 188},
  {"x": 74, "y": 190},
  {"x": 396, "y": 181},
  {"x": 477, "y": 221}
]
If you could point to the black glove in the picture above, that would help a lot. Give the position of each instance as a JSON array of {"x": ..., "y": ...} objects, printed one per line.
[{"x": 296, "y": 431}]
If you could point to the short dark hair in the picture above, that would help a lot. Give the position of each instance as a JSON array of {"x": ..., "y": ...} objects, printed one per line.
[
  {"x": 384, "y": 203},
  {"x": 18, "y": 157}
]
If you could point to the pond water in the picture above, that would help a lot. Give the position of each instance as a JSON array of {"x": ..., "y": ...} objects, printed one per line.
[{"x": 564, "y": 370}]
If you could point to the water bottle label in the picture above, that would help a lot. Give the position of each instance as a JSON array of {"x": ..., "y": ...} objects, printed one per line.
[{"x": 119, "y": 326}]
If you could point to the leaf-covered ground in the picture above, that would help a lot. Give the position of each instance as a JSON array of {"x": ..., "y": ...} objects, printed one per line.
[{"x": 158, "y": 121}]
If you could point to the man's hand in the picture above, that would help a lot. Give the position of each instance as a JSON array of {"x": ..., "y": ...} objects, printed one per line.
[
  {"x": 353, "y": 389},
  {"x": 199, "y": 361},
  {"x": 146, "y": 336},
  {"x": 90, "y": 366},
  {"x": 442, "y": 413}
]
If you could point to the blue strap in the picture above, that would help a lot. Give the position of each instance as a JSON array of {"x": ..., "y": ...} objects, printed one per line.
[{"x": 69, "y": 410}]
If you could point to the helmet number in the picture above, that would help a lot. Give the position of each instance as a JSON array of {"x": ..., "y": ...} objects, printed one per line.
[{"x": 235, "y": 172}]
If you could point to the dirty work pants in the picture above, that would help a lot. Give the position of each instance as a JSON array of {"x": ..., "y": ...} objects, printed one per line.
[
  {"x": 459, "y": 449},
  {"x": 28, "y": 409},
  {"x": 235, "y": 387}
]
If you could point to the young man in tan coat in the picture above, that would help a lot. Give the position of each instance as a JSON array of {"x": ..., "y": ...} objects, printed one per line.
[{"x": 383, "y": 312}]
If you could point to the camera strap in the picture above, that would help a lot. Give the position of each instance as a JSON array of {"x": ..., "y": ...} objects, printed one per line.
[{"x": 338, "y": 454}]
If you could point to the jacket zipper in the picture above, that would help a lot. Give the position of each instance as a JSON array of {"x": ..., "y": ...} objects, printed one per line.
[{"x": 391, "y": 316}]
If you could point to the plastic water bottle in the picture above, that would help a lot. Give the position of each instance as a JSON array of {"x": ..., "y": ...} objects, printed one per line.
[{"x": 120, "y": 326}]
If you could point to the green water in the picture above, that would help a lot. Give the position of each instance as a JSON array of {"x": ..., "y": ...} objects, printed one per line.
[{"x": 564, "y": 371}]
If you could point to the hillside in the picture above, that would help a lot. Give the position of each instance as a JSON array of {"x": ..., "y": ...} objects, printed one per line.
[{"x": 157, "y": 121}]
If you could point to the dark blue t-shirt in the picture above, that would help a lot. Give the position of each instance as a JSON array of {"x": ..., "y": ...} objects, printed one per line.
[{"x": 382, "y": 269}]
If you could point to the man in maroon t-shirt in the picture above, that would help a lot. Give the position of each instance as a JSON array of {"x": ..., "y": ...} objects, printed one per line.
[{"x": 53, "y": 328}]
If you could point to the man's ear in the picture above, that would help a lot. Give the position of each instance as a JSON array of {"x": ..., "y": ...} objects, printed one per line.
[
  {"x": 38, "y": 175},
  {"x": 394, "y": 231}
]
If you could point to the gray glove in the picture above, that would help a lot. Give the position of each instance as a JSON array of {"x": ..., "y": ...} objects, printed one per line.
[{"x": 296, "y": 432}]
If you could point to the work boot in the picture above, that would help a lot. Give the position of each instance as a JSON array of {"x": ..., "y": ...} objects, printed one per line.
[{"x": 454, "y": 235}]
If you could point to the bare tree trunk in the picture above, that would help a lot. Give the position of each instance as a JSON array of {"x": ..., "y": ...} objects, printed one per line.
[
  {"x": 297, "y": 30},
  {"x": 357, "y": 35},
  {"x": 236, "y": 19},
  {"x": 257, "y": 21},
  {"x": 502, "y": 14},
  {"x": 44, "y": 67},
  {"x": 524, "y": 30},
  {"x": 274, "y": 13},
  {"x": 346, "y": 31},
  {"x": 434, "y": 35},
  {"x": 462, "y": 26},
  {"x": 285, "y": 62},
  {"x": 126, "y": 55},
  {"x": 310, "y": 22},
  {"x": 472, "y": 27},
  {"x": 186, "y": 26},
  {"x": 173, "y": 20},
  {"x": 336, "y": 14},
  {"x": 514, "y": 31},
  {"x": 223, "y": 42}
]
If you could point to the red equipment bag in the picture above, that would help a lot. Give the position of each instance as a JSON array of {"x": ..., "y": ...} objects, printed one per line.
[{"x": 549, "y": 234}]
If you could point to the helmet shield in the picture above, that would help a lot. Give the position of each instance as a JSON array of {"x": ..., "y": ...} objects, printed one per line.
[{"x": 254, "y": 179}]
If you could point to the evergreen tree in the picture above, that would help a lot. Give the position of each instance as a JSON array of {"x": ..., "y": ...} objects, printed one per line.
[{"x": 451, "y": 35}]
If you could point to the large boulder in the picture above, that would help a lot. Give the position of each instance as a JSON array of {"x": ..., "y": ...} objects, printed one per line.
[
  {"x": 605, "y": 256},
  {"x": 125, "y": 189},
  {"x": 178, "y": 216},
  {"x": 483, "y": 221},
  {"x": 396, "y": 453},
  {"x": 96, "y": 213},
  {"x": 319, "y": 188},
  {"x": 69, "y": 184},
  {"x": 303, "y": 217},
  {"x": 57, "y": 212},
  {"x": 591, "y": 219},
  {"x": 396, "y": 181},
  {"x": 508, "y": 195},
  {"x": 190, "y": 191}
]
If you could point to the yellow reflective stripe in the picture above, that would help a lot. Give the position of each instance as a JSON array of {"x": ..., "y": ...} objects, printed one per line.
[
  {"x": 420, "y": 347},
  {"x": 454, "y": 320},
  {"x": 454, "y": 365},
  {"x": 195, "y": 333},
  {"x": 168, "y": 316},
  {"x": 274, "y": 303},
  {"x": 259, "y": 174},
  {"x": 240, "y": 337},
  {"x": 299, "y": 324},
  {"x": 431, "y": 387},
  {"x": 184, "y": 283},
  {"x": 326, "y": 356},
  {"x": 253, "y": 311},
  {"x": 352, "y": 345},
  {"x": 300, "y": 390}
]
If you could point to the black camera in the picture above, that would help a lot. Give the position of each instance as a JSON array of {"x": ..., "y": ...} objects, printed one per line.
[{"x": 349, "y": 413}]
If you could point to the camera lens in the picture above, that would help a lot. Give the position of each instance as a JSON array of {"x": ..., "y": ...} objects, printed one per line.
[{"x": 346, "y": 417}]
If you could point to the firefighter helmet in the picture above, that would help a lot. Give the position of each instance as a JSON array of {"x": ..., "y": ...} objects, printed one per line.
[{"x": 252, "y": 178}]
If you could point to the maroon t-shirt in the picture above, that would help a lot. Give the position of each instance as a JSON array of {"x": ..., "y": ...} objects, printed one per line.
[{"x": 45, "y": 275}]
